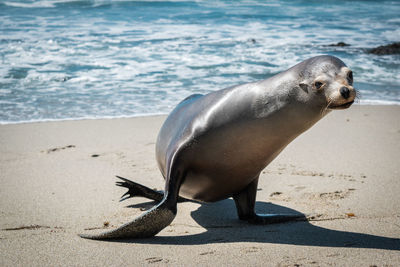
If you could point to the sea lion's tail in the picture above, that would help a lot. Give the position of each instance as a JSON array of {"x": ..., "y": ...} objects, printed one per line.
[{"x": 146, "y": 225}]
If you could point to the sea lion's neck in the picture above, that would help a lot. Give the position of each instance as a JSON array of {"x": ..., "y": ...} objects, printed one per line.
[
  {"x": 286, "y": 108},
  {"x": 283, "y": 96}
]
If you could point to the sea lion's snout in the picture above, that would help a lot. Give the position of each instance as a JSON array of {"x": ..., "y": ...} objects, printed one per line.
[
  {"x": 345, "y": 98},
  {"x": 343, "y": 93}
]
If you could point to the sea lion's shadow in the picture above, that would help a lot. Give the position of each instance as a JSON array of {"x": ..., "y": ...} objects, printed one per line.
[{"x": 222, "y": 226}]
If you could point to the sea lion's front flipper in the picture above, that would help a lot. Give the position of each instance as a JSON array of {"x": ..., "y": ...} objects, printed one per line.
[
  {"x": 245, "y": 202},
  {"x": 146, "y": 225}
]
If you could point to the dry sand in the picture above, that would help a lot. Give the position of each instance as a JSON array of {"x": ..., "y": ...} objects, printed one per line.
[{"x": 57, "y": 179}]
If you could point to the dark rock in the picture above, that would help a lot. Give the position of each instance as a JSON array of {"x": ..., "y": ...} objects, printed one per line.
[
  {"x": 389, "y": 49},
  {"x": 340, "y": 44}
]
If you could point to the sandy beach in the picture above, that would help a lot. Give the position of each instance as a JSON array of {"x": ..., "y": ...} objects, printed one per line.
[{"x": 58, "y": 180}]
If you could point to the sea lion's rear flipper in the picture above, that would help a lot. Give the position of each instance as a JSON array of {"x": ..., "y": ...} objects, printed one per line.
[
  {"x": 245, "y": 202},
  {"x": 146, "y": 225},
  {"x": 152, "y": 221},
  {"x": 138, "y": 190}
]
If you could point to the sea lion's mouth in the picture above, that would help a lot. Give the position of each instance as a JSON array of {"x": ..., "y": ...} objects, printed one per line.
[{"x": 343, "y": 106}]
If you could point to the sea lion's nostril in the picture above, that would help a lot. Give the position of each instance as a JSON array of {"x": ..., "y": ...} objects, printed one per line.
[{"x": 345, "y": 92}]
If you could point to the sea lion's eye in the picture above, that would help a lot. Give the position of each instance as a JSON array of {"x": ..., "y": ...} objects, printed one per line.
[
  {"x": 350, "y": 77},
  {"x": 318, "y": 85}
]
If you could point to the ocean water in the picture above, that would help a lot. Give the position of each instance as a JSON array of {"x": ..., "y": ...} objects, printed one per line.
[{"x": 104, "y": 59}]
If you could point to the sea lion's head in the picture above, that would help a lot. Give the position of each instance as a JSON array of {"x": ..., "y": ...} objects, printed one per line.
[{"x": 329, "y": 81}]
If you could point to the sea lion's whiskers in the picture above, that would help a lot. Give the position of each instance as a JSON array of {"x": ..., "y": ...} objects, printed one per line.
[
  {"x": 358, "y": 96},
  {"x": 324, "y": 109}
]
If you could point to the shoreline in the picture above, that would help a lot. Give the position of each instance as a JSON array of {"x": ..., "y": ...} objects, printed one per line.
[
  {"x": 57, "y": 180},
  {"x": 85, "y": 118},
  {"x": 374, "y": 104}
]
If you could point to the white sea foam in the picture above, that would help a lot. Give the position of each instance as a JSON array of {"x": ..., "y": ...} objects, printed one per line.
[
  {"x": 378, "y": 102},
  {"x": 76, "y": 62},
  {"x": 32, "y": 4}
]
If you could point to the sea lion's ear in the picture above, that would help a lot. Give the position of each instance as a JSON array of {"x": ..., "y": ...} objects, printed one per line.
[{"x": 304, "y": 86}]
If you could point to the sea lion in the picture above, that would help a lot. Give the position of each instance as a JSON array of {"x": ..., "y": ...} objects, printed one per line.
[{"x": 214, "y": 146}]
